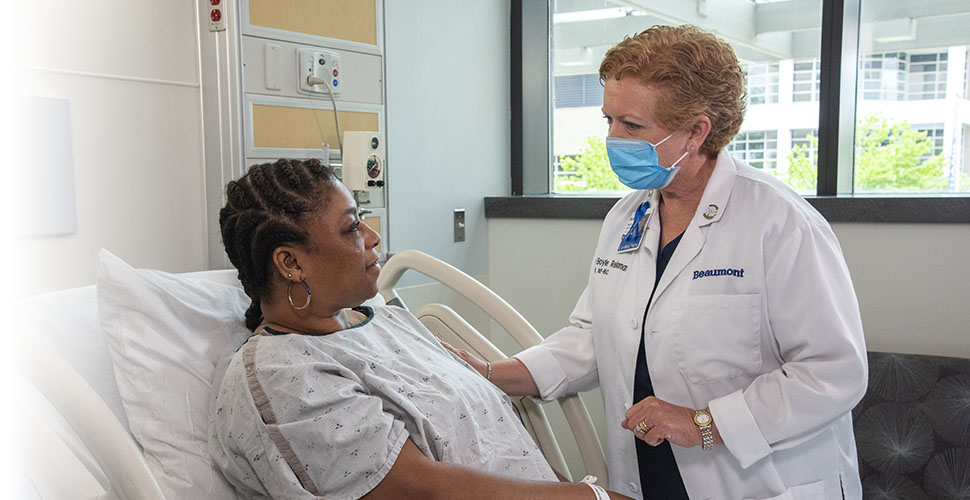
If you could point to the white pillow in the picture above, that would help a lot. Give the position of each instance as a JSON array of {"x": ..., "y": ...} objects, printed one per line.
[{"x": 166, "y": 333}]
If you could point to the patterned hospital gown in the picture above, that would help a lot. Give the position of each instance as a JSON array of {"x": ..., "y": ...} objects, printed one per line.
[{"x": 299, "y": 416}]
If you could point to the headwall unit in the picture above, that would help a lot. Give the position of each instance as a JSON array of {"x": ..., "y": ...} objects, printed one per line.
[{"x": 269, "y": 110}]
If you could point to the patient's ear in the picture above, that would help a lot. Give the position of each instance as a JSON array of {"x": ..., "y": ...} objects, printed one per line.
[{"x": 286, "y": 262}]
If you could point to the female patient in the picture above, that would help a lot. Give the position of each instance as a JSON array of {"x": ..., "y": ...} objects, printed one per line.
[{"x": 333, "y": 399}]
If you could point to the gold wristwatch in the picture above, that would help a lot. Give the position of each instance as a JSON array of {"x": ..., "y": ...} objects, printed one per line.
[{"x": 703, "y": 420}]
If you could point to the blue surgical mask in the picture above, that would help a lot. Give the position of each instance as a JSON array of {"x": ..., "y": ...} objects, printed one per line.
[{"x": 635, "y": 163}]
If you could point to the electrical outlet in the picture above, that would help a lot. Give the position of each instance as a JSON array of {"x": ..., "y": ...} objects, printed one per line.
[
  {"x": 459, "y": 224},
  {"x": 217, "y": 18}
]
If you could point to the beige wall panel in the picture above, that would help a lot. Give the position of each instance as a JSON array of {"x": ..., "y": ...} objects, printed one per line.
[
  {"x": 289, "y": 127},
  {"x": 351, "y": 20}
]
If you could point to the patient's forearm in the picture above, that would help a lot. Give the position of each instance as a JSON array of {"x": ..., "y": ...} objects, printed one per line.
[
  {"x": 415, "y": 476},
  {"x": 512, "y": 376}
]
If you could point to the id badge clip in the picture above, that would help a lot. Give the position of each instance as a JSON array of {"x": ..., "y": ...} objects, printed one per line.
[{"x": 635, "y": 227}]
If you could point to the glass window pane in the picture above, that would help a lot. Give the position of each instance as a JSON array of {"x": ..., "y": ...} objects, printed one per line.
[
  {"x": 774, "y": 56},
  {"x": 912, "y": 111}
]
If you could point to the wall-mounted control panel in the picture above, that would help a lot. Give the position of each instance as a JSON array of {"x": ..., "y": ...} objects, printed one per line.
[
  {"x": 363, "y": 161},
  {"x": 324, "y": 66}
]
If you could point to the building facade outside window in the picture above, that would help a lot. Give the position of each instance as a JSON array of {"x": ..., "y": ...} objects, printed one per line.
[
  {"x": 758, "y": 148},
  {"x": 806, "y": 81},
  {"x": 912, "y": 107},
  {"x": 762, "y": 82}
]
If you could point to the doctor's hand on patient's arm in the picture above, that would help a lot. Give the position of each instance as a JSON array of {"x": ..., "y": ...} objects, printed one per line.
[
  {"x": 415, "y": 476},
  {"x": 510, "y": 375},
  {"x": 666, "y": 422}
]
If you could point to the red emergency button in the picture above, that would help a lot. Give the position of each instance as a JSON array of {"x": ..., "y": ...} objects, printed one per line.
[
  {"x": 215, "y": 2},
  {"x": 334, "y": 73},
  {"x": 215, "y": 15}
]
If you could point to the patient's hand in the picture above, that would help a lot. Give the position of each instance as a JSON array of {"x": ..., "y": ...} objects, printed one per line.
[
  {"x": 510, "y": 375},
  {"x": 479, "y": 365}
]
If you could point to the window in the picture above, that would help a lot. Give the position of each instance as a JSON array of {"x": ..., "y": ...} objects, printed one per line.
[
  {"x": 934, "y": 134},
  {"x": 578, "y": 91},
  {"x": 904, "y": 65},
  {"x": 762, "y": 82},
  {"x": 910, "y": 109},
  {"x": 805, "y": 80},
  {"x": 927, "y": 76},
  {"x": 757, "y": 148},
  {"x": 582, "y": 32},
  {"x": 883, "y": 77}
]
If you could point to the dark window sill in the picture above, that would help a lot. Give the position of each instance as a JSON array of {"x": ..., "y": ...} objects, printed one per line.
[{"x": 942, "y": 209}]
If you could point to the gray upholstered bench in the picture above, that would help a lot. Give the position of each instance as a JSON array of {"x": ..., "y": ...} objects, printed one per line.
[{"x": 912, "y": 428}]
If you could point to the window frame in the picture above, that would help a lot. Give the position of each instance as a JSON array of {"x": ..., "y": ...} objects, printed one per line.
[{"x": 531, "y": 137}]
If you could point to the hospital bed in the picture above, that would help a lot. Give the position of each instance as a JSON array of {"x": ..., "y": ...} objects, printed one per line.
[{"x": 112, "y": 380}]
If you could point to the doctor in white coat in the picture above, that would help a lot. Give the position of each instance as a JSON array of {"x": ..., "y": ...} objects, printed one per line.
[{"x": 719, "y": 318}]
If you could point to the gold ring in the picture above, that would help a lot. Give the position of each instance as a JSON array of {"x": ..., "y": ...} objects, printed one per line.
[{"x": 642, "y": 427}]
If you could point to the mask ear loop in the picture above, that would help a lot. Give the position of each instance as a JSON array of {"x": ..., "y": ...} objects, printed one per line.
[
  {"x": 678, "y": 159},
  {"x": 663, "y": 140}
]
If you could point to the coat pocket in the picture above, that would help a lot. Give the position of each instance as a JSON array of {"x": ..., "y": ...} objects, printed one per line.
[
  {"x": 810, "y": 491},
  {"x": 718, "y": 337}
]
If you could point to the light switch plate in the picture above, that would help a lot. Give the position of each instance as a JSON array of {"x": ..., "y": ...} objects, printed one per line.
[{"x": 459, "y": 224}]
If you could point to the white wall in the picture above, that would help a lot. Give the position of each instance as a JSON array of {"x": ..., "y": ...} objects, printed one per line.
[
  {"x": 130, "y": 71},
  {"x": 911, "y": 279},
  {"x": 447, "y": 123}
]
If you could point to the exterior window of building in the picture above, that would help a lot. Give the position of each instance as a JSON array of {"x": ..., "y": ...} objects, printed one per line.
[
  {"x": 806, "y": 141},
  {"x": 577, "y": 91},
  {"x": 883, "y": 76},
  {"x": 758, "y": 148},
  {"x": 806, "y": 82},
  {"x": 911, "y": 110},
  {"x": 761, "y": 79},
  {"x": 927, "y": 76},
  {"x": 934, "y": 132}
]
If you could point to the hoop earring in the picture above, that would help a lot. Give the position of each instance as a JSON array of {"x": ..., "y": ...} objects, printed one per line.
[{"x": 289, "y": 295}]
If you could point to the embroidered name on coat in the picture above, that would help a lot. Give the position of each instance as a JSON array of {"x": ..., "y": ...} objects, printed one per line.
[
  {"x": 603, "y": 266},
  {"x": 738, "y": 273}
]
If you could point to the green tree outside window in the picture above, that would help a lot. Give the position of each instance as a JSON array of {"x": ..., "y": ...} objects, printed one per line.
[{"x": 890, "y": 157}]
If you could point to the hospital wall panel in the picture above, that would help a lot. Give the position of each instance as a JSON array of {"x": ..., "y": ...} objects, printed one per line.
[
  {"x": 138, "y": 177},
  {"x": 447, "y": 128},
  {"x": 910, "y": 279},
  {"x": 304, "y": 128},
  {"x": 130, "y": 74},
  {"x": 350, "y": 20},
  {"x": 913, "y": 285},
  {"x": 140, "y": 38},
  {"x": 361, "y": 75}
]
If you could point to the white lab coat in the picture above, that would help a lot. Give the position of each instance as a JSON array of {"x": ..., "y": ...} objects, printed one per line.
[{"x": 755, "y": 316}]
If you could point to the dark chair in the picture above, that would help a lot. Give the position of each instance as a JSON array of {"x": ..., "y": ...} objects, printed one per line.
[{"x": 912, "y": 428}]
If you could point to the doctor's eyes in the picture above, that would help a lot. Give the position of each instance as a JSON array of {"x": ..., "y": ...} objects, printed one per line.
[{"x": 629, "y": 126}]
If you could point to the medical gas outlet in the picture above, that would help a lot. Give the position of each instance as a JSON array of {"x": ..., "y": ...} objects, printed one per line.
[
  {"x": 318, "y": 70},
  {"x": 363, "y": 160}
]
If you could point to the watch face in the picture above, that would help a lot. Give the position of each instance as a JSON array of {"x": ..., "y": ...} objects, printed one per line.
[{"x": 702, "y": 419}]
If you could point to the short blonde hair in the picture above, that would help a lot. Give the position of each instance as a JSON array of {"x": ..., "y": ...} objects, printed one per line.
[{"x": 697, "y": 72}]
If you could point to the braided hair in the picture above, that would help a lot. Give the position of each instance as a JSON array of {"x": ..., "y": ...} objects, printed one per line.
[{"x": 265, "y": 209}]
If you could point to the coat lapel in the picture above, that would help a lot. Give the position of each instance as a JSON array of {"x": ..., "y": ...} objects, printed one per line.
[{"x": 710, "y": 210}]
